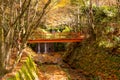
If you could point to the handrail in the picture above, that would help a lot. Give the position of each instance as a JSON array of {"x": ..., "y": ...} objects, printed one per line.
[{"x": 56, "y": 35}]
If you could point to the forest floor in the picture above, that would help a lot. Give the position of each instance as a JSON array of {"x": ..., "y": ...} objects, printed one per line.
[
  {"x": 54, "y": 69},
  {"x": 50, "y": 66}
]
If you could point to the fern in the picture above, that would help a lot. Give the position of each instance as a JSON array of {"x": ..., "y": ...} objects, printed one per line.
[{"x": 27, "y": 72}]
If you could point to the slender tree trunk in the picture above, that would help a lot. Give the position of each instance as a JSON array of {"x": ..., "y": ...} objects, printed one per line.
[
  {"x": 2, "y": 54},
  {"x": 91, "y": 22},
  {"x": 118, "y": 4}
]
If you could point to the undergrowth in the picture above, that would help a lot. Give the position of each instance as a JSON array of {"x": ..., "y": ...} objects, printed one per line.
[{"x": 27, "y": 72}]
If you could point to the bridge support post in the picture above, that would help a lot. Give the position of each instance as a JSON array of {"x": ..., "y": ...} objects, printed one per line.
[
  {"x": 38, "y": 50},
  {"x": 45, "y": 48}
]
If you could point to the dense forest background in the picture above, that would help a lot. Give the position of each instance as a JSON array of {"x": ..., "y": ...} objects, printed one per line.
[
  {"x": 99, "y": 53},
  {"x": 97, "y": 56}
]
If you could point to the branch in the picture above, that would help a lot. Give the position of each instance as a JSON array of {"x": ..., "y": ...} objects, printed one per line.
[
  {"x": 23, "y": 11},
  {"x": 43, "y": 12},
  {"x": 34, "y": 26}
]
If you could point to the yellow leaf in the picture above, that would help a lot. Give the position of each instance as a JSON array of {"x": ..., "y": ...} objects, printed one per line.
[{"x": 62, "y": 3}]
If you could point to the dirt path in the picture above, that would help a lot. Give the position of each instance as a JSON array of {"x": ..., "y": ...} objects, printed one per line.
[
  {"x": 55, "y": 72},
  {"x": 53, "y": 68},
  {"x": 50, "y": 66}
]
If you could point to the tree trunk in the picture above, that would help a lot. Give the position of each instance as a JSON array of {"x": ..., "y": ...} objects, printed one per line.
[
  {"x": 18, "y": 18},
  {"x": 2, "y": 54}
]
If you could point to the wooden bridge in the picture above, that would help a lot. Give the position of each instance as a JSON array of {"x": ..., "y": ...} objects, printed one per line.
[
  {"x": 45, "y": 40},
  {"x": 55, "y": 37}
]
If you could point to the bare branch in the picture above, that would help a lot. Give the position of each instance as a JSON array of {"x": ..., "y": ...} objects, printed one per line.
[
  {"x": 23, "y": 11},
  {"x": 42, "y": 14}
]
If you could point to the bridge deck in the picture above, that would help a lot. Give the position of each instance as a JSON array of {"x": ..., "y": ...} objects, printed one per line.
[
  {"x": 54, "y": 40},
  {"x": 74, "y": 37}
]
